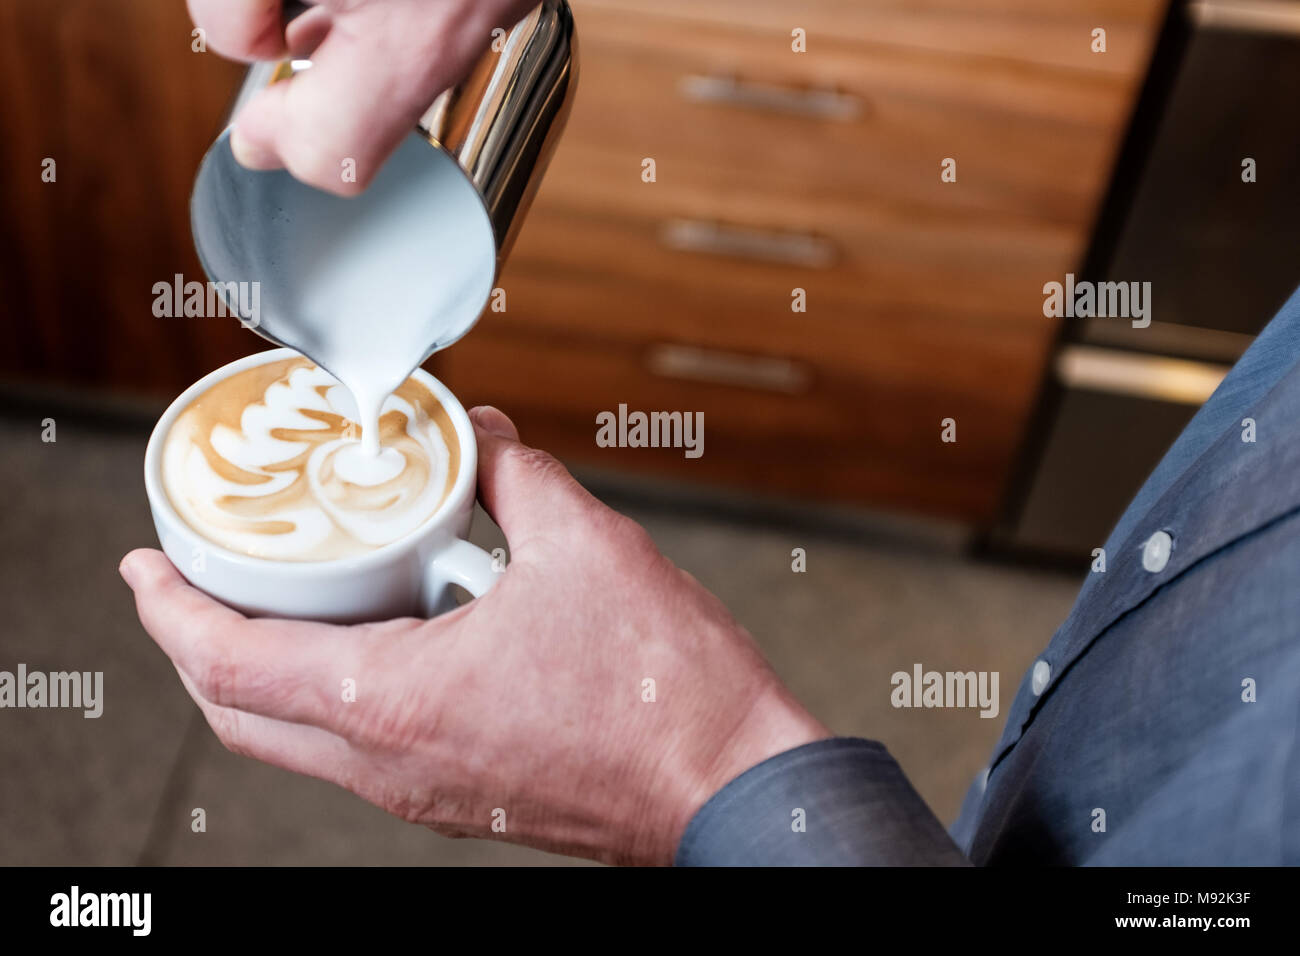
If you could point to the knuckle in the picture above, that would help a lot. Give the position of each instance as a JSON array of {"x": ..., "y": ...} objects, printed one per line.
[
  {"x": 628, "y": 535},
  {"x": 523, "y": 458},
  {"x": 547, "y": 477},
  {"x": 239, "y": 34},
  {"x": 231, "y": 729},
  {"x": 313, "y": 167},
  {"x": 321, "y": 160},
  {"x": 623, "y": 545},
  {"x": 390, "y": 720},
  {"x": 410, "y": 806},
  {"x": 395, "y": 728},
  {"x": 214, "y": 673}
]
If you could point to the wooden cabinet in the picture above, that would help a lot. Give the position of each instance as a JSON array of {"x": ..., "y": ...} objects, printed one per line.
[{"x": 778, "y": 171}]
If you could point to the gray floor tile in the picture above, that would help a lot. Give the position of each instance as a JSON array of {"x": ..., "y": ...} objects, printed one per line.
[
  {"x": 258, "y": 815},
  {"x": 76, "y": 790}
]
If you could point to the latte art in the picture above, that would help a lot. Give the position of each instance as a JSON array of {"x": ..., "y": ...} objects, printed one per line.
[{"x": 269, "y": 463}]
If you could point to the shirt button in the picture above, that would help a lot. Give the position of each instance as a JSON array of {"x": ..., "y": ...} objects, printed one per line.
[
  {"x": 1155, "y": 553},
  {"x": 1042, "y": 674}
]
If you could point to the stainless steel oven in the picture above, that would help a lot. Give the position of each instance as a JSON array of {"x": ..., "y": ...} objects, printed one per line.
[{"x": 1204, "y": 204}]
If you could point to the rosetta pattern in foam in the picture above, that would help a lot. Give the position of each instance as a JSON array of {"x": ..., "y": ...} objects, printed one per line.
[{"x": 268, "y": 463}]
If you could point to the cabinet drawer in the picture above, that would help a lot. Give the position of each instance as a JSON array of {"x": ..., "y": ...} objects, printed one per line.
[
  {"x": 732, "y": 119},
  {"x": 1053, "y": 33},
  {"x": 893, "y": 300},
  {"x": 772, "y": 423}
]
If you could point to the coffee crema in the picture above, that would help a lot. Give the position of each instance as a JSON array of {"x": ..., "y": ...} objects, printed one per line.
[{"x": 268, "y": 462}]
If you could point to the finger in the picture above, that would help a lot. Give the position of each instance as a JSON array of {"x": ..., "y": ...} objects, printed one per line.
[
  {"x": 299, "y": 748},
  {"x": 333, "y": 125},
  {"x": 241, "y": 29},
  {"x": 526, "y": 491},
  {"x": 307, "y": 32},
  {"x": 288, "y": 670}
]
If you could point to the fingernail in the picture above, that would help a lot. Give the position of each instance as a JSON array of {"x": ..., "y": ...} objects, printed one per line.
[
  {"x": 494, "y": 422},
  {"x": 128, "y": 570},
  {"x": 250, "y": 156}
]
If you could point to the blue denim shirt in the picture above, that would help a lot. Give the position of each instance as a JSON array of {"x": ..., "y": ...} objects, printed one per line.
[{"x": 1162, "y": 727}]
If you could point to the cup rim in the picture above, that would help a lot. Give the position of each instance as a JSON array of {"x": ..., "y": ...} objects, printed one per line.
[{"x": 160, "y": 501}]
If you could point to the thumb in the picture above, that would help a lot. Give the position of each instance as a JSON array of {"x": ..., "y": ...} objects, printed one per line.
[{"x": 525, "y": 490}]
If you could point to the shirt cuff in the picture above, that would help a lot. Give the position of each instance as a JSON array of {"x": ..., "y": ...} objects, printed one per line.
[{"x": 837, "y": 802}]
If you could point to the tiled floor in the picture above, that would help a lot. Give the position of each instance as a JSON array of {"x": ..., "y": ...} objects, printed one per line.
[{"x": 877, "y": 597}]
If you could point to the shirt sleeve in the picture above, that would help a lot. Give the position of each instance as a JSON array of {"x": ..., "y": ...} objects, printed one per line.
[{"x": 837, "y": 802}]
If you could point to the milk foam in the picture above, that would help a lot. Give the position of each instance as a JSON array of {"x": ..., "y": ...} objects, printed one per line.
[{"x": 269, "y": 462}]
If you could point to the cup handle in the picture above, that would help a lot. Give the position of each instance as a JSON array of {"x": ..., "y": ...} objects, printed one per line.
[{"x": 461, "y": 563}]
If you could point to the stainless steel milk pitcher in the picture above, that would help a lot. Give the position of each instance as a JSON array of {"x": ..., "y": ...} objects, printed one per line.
[{"x": 469, "y": 169}]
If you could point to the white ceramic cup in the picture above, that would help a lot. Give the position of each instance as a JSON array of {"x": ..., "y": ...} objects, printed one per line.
[{"x": 411, "y": 576}]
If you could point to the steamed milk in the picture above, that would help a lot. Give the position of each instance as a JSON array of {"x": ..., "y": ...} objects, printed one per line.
[{"x": 270, "y": 462}]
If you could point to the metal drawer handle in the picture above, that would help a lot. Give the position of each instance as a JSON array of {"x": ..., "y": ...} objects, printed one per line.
[
  {"x": 770, "y": 98},
  {"x": 723, "y": 239},
  {"x": 1259, "y": 16},
  {"x": 1138, "y": 375},
  {"x": 729, "y": 368}
]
